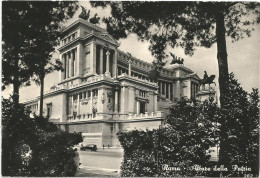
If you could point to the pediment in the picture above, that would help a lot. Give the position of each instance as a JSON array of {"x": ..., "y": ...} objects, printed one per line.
[
  {"x": 109, "y": 38},
  {"x": 195, "y": 76}
]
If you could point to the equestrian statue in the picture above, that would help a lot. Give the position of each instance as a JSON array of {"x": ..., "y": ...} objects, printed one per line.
[
  {"x": 207, "y": 80},
  {"x": 176, "y": 60}
]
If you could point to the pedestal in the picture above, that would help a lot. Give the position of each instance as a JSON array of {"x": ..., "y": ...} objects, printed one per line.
[{"x": 205, "y": 94}]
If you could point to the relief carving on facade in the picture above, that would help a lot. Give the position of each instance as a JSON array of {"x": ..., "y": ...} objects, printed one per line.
[
  {"x": 85, "y": 101},
  {"x": 103, "y": 99},
  {"x": 109, "y": 94},
  {"x": 75, "y": 106},
  {"x": 109, "y": 106},
  {"x": 95, "y": 102}
]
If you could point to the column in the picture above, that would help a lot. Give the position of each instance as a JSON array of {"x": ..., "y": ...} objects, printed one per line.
[
  {"x": 155, "y": 102},
  {"x": 178, "y": 89},
  {"x": 116, "y": 101},
  {"x": 63, "y": 67},
  {"x": 115, "y": 74},
  {"x": 131, "y": 100},
  {"x": 161, "y": 88},
  {"x": 91, "y": 107},
  {"x": 75, "y": 61},
  {"x": 72, "y": 105},
  {"x": 137, "y": 107},
  {"x": 67, "y": 66},
  {"x": 79, "y": 59},
  {"x": 93, "y": 51},
  {"x": 71, "y": 63},
  {"x": 78, "y": 110},
  {"x": 124, "y": 99},
  {"x": 165, "y": 88},
  {"x": 169, "y": 91},
  {"x": 189, "y": 89},
  {"x": 101, "y": 60},
  {"x": 129, "y": 67},
  {"x": 107, "y": 65}
]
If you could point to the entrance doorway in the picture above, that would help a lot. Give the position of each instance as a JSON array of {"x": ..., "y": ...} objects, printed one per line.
[{"x": 142, "y": 107}]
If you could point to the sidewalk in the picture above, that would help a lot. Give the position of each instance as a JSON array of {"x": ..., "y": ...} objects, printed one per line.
[{"x": 87, "y": 171}]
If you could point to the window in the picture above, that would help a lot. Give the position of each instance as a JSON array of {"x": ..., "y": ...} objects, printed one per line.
[
  {"x": 49, "y": 109},
  {"x": 142, "y": 93},
  {"x": 95, "y": 92},
  {"x": 80, "y": 96}
]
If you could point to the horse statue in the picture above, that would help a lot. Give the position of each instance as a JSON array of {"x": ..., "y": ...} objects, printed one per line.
[
  {"x": 95, "y": 20},
  {"x": 207, "y": 80},
  {"x": 176, "y": 60},
  {"x": 84, "y": 14}
]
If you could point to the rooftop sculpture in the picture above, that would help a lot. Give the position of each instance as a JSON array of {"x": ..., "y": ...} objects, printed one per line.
[
  {"x": 84, "y": 14},
  {"x": 176, "y": 60}
]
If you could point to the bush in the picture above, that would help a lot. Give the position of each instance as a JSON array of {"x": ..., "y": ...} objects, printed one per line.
[
  {"x": 35, "y": 147},
  {"x": 182, "y": 143}
]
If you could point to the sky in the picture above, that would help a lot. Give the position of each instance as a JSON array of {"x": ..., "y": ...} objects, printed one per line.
[{"x": 243, "y": 58}]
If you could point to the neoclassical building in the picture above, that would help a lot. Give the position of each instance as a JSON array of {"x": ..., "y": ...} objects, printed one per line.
[{"x": 103, "y": 90}]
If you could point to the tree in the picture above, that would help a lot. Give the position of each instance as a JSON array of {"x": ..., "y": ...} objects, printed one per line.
[
  {"x": 184, "y": 24},
  {"x": 15, "y": 46},
  {"x": 240, "y": 129},
  {"x": 30, "y": 35},
  {"x": 47, "y": 19},
  {"x": 34, "y": 147}
]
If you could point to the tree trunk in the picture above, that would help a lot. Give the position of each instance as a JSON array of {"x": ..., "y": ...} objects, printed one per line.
[
  {"x": 222, "y": 56},
  {"x": 42, "y": 75},
  {"x": 16, "y": 83},
  {"x": 223, "y": 78}
]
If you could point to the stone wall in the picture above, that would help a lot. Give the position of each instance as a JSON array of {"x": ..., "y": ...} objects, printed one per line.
[
  {"x": 86, "y": 127},
  {"x": 58, "y": 106}
]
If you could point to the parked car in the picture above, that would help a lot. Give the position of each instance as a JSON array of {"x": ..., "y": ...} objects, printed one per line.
[{"x": 91, "y": 147}]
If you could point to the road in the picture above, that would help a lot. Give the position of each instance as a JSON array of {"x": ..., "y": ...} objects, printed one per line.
[{"x": 102, "y": 159}]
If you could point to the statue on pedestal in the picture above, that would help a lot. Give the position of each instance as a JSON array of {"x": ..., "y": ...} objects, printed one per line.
[{"x": 207, "y": 80}]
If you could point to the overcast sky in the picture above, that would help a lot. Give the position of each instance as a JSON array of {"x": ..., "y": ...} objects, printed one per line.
[{"x": 243, "y": 58}]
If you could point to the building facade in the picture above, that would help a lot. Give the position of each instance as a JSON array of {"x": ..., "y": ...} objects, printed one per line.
[{"x": 103, "y": 90}]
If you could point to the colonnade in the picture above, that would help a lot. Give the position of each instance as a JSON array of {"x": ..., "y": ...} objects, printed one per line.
[
  {"x": 165, "y": 88},
  {"x": 122, "y": 70},
  {"x": 69, "y": 63},
  {"x": 97, "y": 59},
  {"x": 105, "y": 64},
  {"x": 194, "y": 89}
]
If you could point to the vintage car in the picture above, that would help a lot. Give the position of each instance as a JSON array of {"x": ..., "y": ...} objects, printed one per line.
[{"x": 91, "y": 147}]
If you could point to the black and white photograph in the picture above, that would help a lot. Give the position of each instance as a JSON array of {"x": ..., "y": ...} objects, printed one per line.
[{"x": 130, "y": 88}]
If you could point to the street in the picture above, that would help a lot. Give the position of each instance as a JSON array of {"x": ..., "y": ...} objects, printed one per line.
[{"x": 101, "y": 162}]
